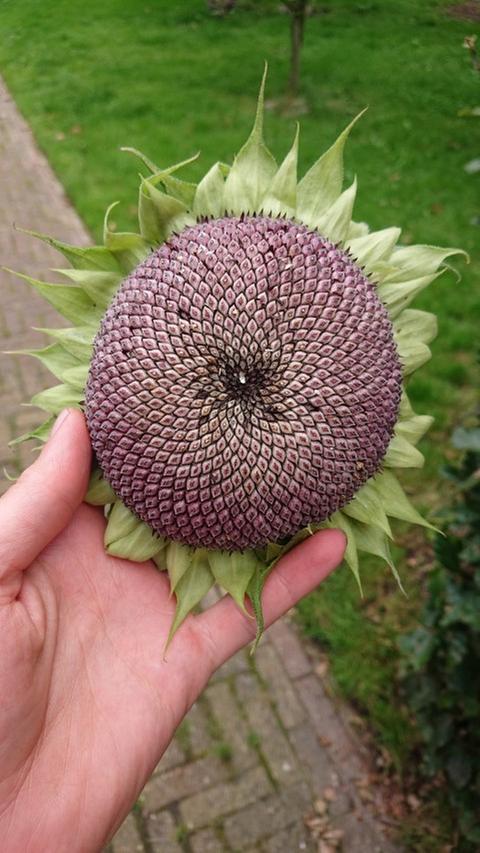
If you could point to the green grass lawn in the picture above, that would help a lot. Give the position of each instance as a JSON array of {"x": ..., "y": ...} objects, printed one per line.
[{"x": 170, "y": 79}]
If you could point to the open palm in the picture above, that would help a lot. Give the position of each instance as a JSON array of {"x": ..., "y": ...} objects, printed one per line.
[{"x": 88, "y": 699}]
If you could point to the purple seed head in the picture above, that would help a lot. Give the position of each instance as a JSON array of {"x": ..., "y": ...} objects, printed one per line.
[{"x": 244, "y": 383}]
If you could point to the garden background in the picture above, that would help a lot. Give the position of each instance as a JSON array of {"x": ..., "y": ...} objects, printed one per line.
[{"x": 172, "y": 79}]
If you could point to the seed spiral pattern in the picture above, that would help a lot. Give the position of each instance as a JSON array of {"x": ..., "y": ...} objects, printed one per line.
[{"x": 244, "y": 383}]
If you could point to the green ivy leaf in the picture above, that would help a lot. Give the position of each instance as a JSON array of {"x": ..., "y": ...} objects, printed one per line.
[
  {"x": 467, "y": 439},
  {"x": 459, "y": 766}
]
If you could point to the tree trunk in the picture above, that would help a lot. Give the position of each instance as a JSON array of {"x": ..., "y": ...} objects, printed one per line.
[
  {"x": 221, "y": 7},
  {"x": 298, "y": 10}
]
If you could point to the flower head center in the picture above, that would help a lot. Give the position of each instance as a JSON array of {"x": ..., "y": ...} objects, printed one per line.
[{"x": 242, "y": 382}]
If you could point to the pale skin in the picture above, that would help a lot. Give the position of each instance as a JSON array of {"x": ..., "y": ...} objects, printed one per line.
[{"x": 88, "y": 700}]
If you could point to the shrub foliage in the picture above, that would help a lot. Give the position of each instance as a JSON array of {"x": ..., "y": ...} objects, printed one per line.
[{"x": 442, "y": 656}]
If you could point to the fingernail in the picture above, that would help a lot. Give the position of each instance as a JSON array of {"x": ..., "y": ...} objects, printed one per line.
[{"x": 60, "y": 420}]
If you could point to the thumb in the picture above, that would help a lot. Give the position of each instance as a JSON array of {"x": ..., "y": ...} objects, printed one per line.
[{"x": 41, "y": 503}]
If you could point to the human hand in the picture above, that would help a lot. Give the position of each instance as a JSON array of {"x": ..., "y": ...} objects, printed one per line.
[{"x": 88, "y": 700}]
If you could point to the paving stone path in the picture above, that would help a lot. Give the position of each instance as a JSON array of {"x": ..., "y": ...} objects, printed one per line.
[{"x": 266, "y": 746}]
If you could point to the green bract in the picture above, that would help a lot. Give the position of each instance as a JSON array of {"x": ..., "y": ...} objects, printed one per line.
[{"x": 254, "y": 184}]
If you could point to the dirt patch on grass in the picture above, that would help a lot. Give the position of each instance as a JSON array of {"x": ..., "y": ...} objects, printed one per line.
[{"x": 465, "y": 11}]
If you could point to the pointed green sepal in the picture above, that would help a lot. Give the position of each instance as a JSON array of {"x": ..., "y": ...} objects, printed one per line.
[
  {"x": 339, "y": 520},
  {"x": 182, "y": 190},
  {"x": 41, "y": 433},
  {"x": 413, "y": 355},
  {"x": 191, "y": 588},
  {"x": 420, "y": 260},
  {"x": 320, "y": 188},
  {"x": 381, "y": 272},
  {"x": 402, "y": 454},
  {"x": 367, "y": 507},
  {"x": 57, "y": 398},
  {"x": 272, "y": 553},
  {"x": 159, "y": 557},
  {"x": 77, "y": 376},
  {"x": 281, "y": 196},
  {"x": 410, "y": 425},
  {"x": 54, "y": 357},
  {"x": 78, "y": 341},
  {"x": 254, "y": 592},
  {"x": 209, "y": 200},
  {"x": 129, "y": 249},
  {"x": 128, "y": 537},
  {"x": 416, "y": 324},
  {"x": 395, "y": 502},
  {"x": 373, "y": 248},
  {"x": 99, "y": 285},
  {"x": 253, "y": 168},
  {"x": 233, "y": 571},
  {"x": 335, "y": 222},
  {"x": 100, "y": 493},
  {"x": 357, "y": 229},
  {"x": 159, "y": 214},
  {"x": 69, "y": 300},
  {"x": 90, "y": 257},
  {"x": 413, "y": 330},
  {"x": 143, "y": 157},
  {"x": 371, "y": 540},
  {"x": 398, "y": 295},
  {"x": 178, "y": 559}
]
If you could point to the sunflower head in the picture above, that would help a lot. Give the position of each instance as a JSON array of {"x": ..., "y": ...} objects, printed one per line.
[
  {"x": 244, "y": 383},
  {"x": 241, "y": 362}
]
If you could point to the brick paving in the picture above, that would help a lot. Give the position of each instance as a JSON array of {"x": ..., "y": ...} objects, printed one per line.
[
  {"x": 263, "y": 754},
  {"x": 30, "y": 197},
  {"x": 265, "y": 746}
]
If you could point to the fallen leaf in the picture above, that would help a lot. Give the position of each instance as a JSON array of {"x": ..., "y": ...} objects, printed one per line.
[
  {"x": 330, "y": 794},
  {"x": 413, "y": 802},
  {"x": 334, "y": 836},
  {"x": 323, "y": 847},
  {"x": 322, "y": 667},
  {"x": 320, "y": 806}
]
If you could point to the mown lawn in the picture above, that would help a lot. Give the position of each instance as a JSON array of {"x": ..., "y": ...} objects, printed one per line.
[{"x": 170, "y": 79}]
